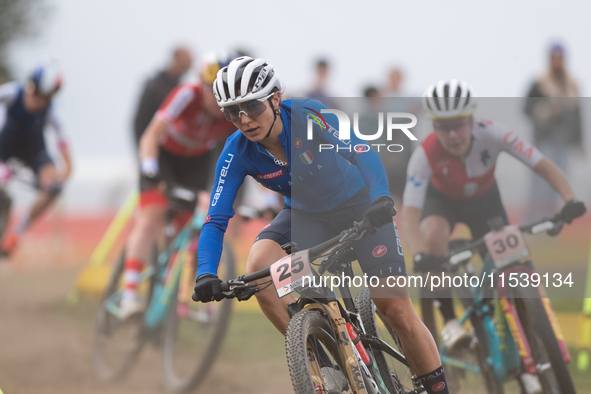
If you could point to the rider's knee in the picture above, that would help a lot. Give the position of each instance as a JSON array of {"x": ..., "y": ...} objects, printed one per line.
[
  {"x": 53, "y": 189},
  {"x": 263, "y": 253},
  {"x": 149, "y": 222},
  {"x": 435, "y": 237},
  {"x": 253, "y": 264}
]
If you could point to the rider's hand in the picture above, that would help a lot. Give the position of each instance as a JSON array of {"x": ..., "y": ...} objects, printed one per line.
[
  {"x": 207, "y": 288},
  {"x": 572, "y": 210},
  {"x": 426, "y": 262},
  {"x": 380, "y": 213},
  {"x": 149, "y": 167}
]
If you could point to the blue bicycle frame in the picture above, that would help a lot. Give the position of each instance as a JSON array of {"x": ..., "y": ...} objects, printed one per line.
[
  {"x": 173, "y": 263},
  {"x": 503, "y": 355}
]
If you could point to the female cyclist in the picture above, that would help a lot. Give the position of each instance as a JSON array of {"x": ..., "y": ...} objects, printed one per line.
[{"x": 324, "y": 193}]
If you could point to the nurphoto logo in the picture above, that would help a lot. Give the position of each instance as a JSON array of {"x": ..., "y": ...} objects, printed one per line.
[{"x": 343, "y": 132}]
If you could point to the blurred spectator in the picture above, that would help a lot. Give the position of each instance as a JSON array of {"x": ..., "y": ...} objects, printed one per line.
[
  {"x": 241, "y": 51},
  {"x": 553, "y": 108},
  {"x": 394, "y": 161},
  {"x": 321, "y": 70},
  {"x": 393, "y": 86},
  {"x": 403, "y": 101},
  {"x": 158, "y": 87},
  {"x": 371, "y": 92}
]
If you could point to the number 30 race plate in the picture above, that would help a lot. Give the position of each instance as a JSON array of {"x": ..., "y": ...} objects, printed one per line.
[
  {"x": 288, "y": 273},
  {"x": 506, "y": 245}
]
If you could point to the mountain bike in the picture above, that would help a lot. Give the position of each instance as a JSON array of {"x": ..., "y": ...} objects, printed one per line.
[
  {"x": 190, "y": 334},
  {"x": 331, "y": 346},
  {"x": 515, "y": 331}
]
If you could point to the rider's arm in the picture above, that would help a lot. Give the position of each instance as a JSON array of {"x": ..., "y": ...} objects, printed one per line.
[
  {"x": 369, "y": 163},
  {"x": 172, "y": 107},
  {"x": 533, "y": 158},
  {"x": 229, "y": 175},
  {"x": 65, "y": 152},
  {"x": 418, "y": 176},
  {"x": 62, "y": 143},
  {"x": 8, "y": 93},
  {"x": 552, "y": 174},
  {"x": 411, "y": 217},
  {"x": 150, "y": 139}
]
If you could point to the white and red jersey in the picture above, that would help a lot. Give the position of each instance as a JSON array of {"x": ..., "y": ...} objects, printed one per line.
[
  {"x": 191, "y": 130},
  {"x": 468, "y": 178}
]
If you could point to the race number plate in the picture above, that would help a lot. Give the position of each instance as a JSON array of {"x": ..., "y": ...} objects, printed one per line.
[
  {"x": 506, "y": 245},
  {"x": 288, "y": 273}
]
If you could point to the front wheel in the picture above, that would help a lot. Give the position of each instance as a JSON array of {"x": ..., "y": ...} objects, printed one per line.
[
  {"x": 5, "y": 204},
  {"x": 311, "y": 348},
  {"x": 549, "y": 361},
  {"x": 193, "y": 334},
  {"x": 117, "y": 342}
]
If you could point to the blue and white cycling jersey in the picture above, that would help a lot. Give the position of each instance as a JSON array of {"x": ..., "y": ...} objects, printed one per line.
[
  {"x": 313, "y": 181},
  {"x": 17, "y": 118},
  {"x": 21, "y": 132}
]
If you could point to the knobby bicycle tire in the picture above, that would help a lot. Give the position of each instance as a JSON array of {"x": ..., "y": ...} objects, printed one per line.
[
  {"x": 304, "y": 326},
  {"x": 106, "y": 323},
  {"x": 552, "y": 370},
  {"x": 199, "y": 364},
  {"x": 396, "y": 376},
  {"x": 5, "y": 204}
]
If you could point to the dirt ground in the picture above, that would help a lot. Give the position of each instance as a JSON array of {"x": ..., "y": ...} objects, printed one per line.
[{"x": 46, "y": 342}]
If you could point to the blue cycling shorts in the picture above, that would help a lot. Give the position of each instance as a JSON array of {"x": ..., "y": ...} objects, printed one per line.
[{"x": 379, "y": 254}]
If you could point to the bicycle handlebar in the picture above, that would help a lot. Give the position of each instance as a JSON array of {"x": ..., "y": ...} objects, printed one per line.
[
  {"x": 461, "y": 255},
  {"x": 243, "y": 282}
]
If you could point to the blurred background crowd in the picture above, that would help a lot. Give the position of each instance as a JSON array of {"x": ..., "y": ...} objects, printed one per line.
[{"x": 120, "y": 60}]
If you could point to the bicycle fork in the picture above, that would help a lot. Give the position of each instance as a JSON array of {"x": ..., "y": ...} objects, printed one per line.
[{"x": 355, "y": 369}]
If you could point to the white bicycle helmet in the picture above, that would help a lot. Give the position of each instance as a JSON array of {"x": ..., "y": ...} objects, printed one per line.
[
  {"x": 449, "y": 99},
  {"x": 46, "y": 78},
  {"x": 245, "y": 79}
]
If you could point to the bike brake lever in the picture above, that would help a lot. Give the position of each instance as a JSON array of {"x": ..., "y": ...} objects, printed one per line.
[{"x": 247, "y": 294}]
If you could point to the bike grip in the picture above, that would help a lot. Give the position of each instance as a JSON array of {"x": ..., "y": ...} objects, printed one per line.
[
  {"x": 225, "y": 286},
  {"x": 363, "y": 225},
  {"x": 557, "y": 228}
]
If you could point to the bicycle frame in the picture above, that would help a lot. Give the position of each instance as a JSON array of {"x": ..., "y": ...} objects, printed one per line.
[
  {"x": 506, "y": 352},
  {"x": 174, "y": 268},
  {"x": 339, "y": 317},
  {"x": 504, "y": 355},
  {"x": 172, "y": 275},
  {"x": 325, "y": 301}
]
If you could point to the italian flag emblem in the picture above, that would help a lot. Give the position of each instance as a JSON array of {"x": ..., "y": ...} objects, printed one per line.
[{"x": 307, "y": 157}]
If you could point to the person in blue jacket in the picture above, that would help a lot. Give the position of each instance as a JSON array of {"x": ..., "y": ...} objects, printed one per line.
[{"x": 324, "y": 193}]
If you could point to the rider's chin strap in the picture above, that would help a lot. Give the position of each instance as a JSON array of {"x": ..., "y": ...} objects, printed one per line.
[{"x": 274, "y": 118}]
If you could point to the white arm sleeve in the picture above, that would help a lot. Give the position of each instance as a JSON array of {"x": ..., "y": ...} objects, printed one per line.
[
  {"x": 418, "y": 176},
  {"x": 8, "y": 93},
  {"x": 514, "y": 145}
]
